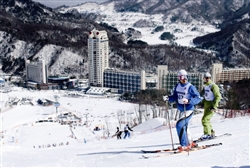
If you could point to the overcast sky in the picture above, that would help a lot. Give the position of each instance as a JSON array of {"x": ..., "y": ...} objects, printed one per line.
[{"x": 56, "y": 3}]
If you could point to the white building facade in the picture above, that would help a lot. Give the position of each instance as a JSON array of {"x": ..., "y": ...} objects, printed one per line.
[
  {"x": 162, "y": 70},
  {"x": 98, "y": 56},
  {"x": 221, "y": 75},
  {"x": 36, "y": 72},
  {"x": 124, "y": 81}
]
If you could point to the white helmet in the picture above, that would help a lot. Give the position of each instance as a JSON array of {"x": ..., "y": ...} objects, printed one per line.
[
  {"x": 207, "y": 75},
  {"x": 182, "y": 74}
]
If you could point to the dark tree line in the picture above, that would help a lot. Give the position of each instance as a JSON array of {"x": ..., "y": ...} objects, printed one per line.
[{"x": 238, "y": 95}]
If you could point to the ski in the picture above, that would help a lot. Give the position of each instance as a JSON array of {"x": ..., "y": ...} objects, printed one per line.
[
  {"x": 158, "y": 151},
  {"x": 218, "y": 136},
  {"x": 173, "y": 152},
  {"x": 195, "y": 141}
]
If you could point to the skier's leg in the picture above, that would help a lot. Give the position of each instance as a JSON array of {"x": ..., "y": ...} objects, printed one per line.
[
  {"x": 181, "y": 127},
  {"x": 125, "y": 135},
  {"x": 207, "y": 127},
  {"x": 190, "y": 139}
]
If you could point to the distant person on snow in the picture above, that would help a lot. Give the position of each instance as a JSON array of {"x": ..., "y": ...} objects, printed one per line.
[
  {"x": 118, "y": 133},
  {"x": 186, "y": 96},
  {"x": 211, "y": 101},
  {"x": 126, "y": 131}
]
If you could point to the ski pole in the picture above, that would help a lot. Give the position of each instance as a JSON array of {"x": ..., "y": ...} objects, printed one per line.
[
  {"x": 186, "y": 125},
  {"x": 170, "y": 125}
]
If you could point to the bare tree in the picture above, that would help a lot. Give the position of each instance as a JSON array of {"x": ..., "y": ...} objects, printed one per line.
[
  {"x": 120, "y": 116},
  {"x": 107, "y": 124}
]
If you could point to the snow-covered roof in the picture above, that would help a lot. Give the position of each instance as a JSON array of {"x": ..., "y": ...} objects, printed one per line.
[{"x": 97, "y": 90}]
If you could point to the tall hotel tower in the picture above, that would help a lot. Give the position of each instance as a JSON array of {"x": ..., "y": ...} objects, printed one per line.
[
  {"x": 36, "y": 71},
  {"x": 98, "y": 56}
]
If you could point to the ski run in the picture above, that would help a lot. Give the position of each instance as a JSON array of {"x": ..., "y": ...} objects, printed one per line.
[{"x": 23, "y": 136}]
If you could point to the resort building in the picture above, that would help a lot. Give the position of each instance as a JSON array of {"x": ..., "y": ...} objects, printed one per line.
[
  {"x": 124, "y": 81},
  {"x": 98, "y": 56},
  {"x": 221, "y": 75},
  {"x": 36, "y": 73}
]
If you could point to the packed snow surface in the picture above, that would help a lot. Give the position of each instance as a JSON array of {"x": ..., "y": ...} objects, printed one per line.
[{"x": 25, "y": 142}]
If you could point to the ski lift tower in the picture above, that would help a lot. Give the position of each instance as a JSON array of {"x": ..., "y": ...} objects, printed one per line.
[
  {"x": 86, "y": 115},
  {"x": 56, "y": 104}
]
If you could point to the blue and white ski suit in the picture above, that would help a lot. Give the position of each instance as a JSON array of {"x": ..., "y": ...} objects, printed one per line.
[{"x": 189, "y": 92}]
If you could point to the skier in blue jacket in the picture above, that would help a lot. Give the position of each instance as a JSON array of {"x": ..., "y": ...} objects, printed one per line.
[
  {"x": 186, "y": 96},
  {"x": 126, "y": 131}
]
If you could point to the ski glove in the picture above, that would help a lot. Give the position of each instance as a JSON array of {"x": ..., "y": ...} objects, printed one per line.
[
  {"x": 165, "y": 98},
  {"x": 213, "y": 109},
  {"x": 185, "y": 101}
]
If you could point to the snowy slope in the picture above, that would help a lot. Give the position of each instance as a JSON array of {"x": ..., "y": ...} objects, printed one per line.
[{"x": 25, "y": 142}]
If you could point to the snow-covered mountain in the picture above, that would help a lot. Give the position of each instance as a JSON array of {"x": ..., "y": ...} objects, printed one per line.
[
  {"x": 185, "y": 20},
  {"x": 141, "y": 35},
  {"x": 149, "y": 27}
]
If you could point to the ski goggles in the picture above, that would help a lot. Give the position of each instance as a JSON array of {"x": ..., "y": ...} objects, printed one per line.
[{"x": 182, "y": 77}]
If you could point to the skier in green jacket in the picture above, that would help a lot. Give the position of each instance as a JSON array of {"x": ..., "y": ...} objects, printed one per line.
[{"x": 211, "y": 101}]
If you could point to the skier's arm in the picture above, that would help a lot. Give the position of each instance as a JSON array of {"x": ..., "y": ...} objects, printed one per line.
[
  {"x": 217, "y": 97},
  {"x": 195, "y": 96},
  {"x": 174, "y": 97},
  {"x": 202, "y": 95}
]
